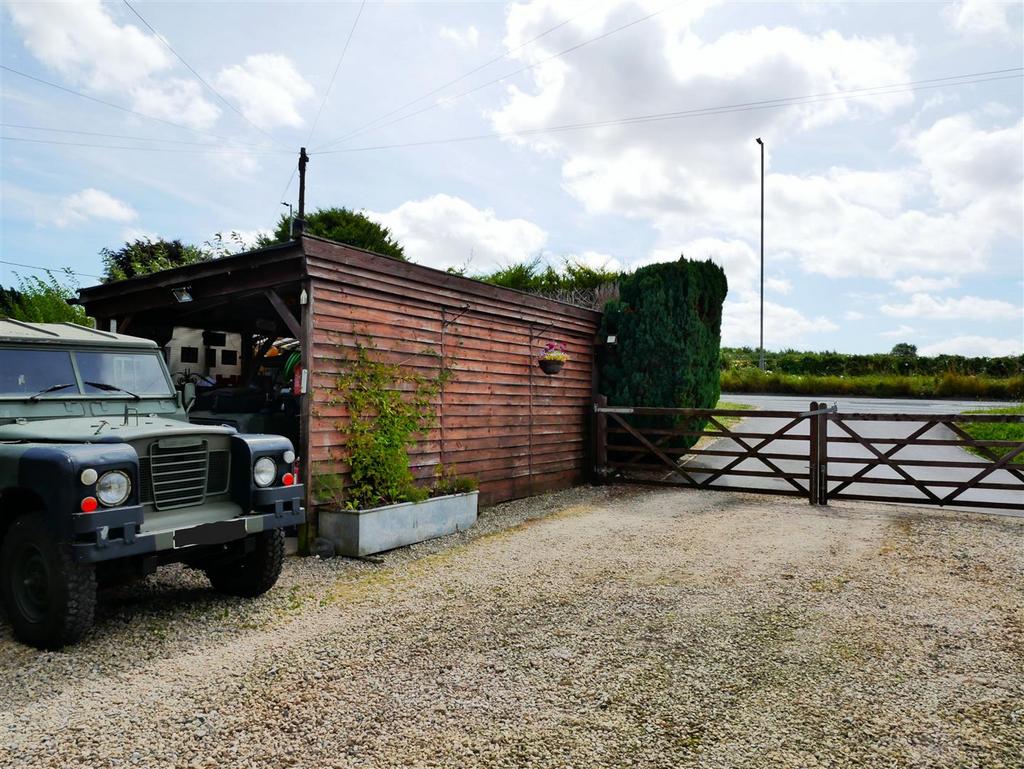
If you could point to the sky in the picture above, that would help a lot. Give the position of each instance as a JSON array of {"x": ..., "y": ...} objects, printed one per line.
[{"x": 893, "y": 135}]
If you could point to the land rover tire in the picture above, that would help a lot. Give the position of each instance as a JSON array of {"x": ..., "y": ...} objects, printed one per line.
[
  {"x": 255, "y": 572},
  {"x": 50, "y": 599}
]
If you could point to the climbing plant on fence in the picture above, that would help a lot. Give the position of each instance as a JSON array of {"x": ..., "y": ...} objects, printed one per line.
[
  {"x": 388, "y": 406},
  {"x": 667, "y": 326}
]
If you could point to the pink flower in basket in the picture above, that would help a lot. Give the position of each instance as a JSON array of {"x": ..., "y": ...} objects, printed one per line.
[{"x": 554, "y": 351}]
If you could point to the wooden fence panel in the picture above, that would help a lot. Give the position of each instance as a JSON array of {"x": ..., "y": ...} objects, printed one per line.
[{"x": 500, "y": 419}]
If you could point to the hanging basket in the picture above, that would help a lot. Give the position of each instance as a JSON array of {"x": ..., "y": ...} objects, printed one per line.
[{"x": 550, "y": 367}]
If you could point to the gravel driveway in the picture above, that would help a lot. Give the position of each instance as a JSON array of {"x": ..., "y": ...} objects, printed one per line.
[{"x": 595, "y": 627}]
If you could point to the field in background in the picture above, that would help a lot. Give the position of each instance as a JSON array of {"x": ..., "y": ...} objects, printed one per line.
[
  {"x": 901, "y": 373},
  {"x": 997, "y": 432}
]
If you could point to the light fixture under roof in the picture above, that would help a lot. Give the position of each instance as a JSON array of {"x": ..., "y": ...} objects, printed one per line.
[{"x": 182, "y": 294}]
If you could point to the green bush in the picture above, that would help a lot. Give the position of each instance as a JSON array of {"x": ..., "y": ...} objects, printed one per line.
[
  {"x": 667, "y": 323},
  {"x": 38, "y": 300},
  {"x": 898, "y": 362},
  {"x": 949, "y": 385},
  {"x": 387, "y": 406}
]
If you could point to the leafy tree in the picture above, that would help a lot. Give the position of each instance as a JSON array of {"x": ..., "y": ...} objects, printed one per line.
[
  {"x": 144, "y": 256},
  {"x": 344, "y": 226},
  {"x": 537, "y": 278},
  {"x": 667, "y": 323},
  {"x": 39, "y": 300},
  {"x": 904, "y": 350}
]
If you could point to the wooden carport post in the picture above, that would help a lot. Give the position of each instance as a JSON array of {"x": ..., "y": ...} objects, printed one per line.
[{"x": 308, "y": 532}]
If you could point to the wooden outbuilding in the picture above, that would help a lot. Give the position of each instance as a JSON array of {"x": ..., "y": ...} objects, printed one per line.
[{"x": 500, "y": 418}]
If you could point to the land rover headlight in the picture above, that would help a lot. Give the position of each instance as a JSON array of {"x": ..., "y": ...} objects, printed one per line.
[
  {"x": 113, "y": 488},
  {"x": 264, "y": 471}
]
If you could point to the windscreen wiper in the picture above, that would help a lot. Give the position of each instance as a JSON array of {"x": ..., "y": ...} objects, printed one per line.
[
  {"x": 51, "y": 389},
  {"x": 111, "y": 388}
]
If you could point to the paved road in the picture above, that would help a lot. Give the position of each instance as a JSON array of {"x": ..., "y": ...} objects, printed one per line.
[{"x": 843, "y": 456}]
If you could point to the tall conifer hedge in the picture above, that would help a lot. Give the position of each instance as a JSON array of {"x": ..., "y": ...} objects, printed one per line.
[{"x": 667, "y": 322}]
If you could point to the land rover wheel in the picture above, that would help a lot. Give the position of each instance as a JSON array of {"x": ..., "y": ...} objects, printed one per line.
[
  {"x": 255, "y": 572},
  {"x": 50, "y": 599}
]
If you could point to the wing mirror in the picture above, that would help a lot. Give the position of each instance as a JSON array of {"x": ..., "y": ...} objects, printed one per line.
[{"x": 188, "y": 395}]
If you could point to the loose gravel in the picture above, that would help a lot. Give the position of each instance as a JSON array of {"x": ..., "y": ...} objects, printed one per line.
[{"x": 588, "y": 628}]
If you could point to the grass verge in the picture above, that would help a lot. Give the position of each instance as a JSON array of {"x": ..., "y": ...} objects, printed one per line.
[{"x": 997, "y": 431}]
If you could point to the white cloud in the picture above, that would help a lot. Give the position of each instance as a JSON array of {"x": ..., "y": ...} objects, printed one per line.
[
  {"x": 902, "y": 331},
  {"x": 177, "y": 100},
  {"x": 950, "y": 308},
  {"x": 778, "y": 285},
  {"x": 697, "y": 179},
  {"x": 783, "y": 326},
  {"x": 268, "y": 89},
  {"x": 853, "y": 315},
  {"x": 87, "y": 47},
  {"x": 464, "y": 38},
  {"x": 918, "y": 284},
  {"x": 596, "y": 259},
  {"x": 92, "y": 204},
  {"x": 445, "y": 231},
  {"x": 980, "y": 17},
  {"x": 975, "y": 346},
  {"x": 965, "y": 162}
]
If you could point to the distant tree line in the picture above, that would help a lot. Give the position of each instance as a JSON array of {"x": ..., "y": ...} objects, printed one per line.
[{"x": 903, "y": 360}]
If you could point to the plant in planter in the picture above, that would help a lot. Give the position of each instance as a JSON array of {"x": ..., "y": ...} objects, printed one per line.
[
  {"x": 552, "y": 357},
  {"x": 382, "y": 507}
]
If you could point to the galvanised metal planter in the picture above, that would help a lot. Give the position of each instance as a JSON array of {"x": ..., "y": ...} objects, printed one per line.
[{"x": 364, "y": 532}]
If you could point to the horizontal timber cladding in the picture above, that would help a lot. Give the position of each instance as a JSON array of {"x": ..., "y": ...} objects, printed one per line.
[{"x": 500, "y": 418}]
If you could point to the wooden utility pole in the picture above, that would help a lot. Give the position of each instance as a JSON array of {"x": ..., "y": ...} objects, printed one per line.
[{"x": 300, "y": 222}]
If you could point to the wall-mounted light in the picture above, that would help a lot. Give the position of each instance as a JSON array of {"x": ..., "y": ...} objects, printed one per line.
[{"x": 181, "y": 294}]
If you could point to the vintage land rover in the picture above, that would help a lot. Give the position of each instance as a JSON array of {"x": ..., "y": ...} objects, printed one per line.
[{"x": 102, "y": 476}]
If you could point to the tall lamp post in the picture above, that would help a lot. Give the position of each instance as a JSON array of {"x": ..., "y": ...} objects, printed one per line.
[{"x": 760, "y": 360}]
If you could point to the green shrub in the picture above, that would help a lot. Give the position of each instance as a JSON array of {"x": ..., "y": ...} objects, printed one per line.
[
  {"x": 667, "y": 323},
  {"x": 898, "y": 362},
  {"x": 387, "y": 406},
  {"x": 949, "y": 385}
]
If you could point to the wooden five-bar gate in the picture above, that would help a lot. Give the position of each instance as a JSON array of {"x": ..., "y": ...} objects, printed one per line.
[{"x": 819, "y": 454}]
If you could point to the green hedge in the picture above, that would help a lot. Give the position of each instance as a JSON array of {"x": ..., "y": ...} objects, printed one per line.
[
  {"x": 949, "y": 385},
  {"x": 839, "y": 364},
  {"x": 667, "y": 324}
]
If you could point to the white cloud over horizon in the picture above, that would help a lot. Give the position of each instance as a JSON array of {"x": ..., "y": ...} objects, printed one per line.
[
  {"x": 953, "y": 308},
  {"x": 974, "y": 346}
]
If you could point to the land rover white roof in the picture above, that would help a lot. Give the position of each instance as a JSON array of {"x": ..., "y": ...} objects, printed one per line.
[{"x": 19, "y": 332}]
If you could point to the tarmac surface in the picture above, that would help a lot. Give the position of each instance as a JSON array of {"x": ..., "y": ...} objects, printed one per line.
[{"x": 842, "y": 456}]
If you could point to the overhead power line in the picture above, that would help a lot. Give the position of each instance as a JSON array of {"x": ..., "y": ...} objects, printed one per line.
[
  {"x": 52, "y": 269},
  {"x": 519, "y": 71},
  {"x": 334, "y": 75},
  {"x": 112, "y": 105},
  {"x": 789, "y": 101},
  {"x": 113, "y": 136},
  {"x": 327, "y": 93},
  {"x": 459, "y": 79},
  {"x": 198, "y": 77},
  {"x": 214, "y": 149}
]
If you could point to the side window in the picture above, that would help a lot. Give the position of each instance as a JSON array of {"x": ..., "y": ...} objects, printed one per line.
[
  {"x": 229, "y": 357},
  {"x": 211, "y": 357},
  {"x": 189, "y": 354}
]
